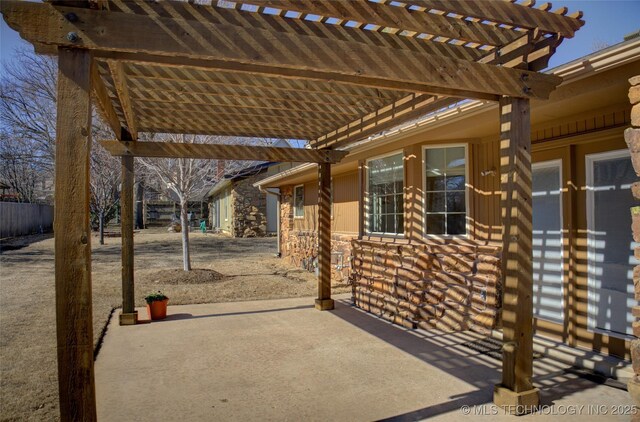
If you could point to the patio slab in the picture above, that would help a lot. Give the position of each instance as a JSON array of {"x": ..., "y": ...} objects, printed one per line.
[{"x": 283, "y": 360}]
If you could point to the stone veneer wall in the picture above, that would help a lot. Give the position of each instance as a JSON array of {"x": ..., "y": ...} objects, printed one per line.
[
  {"x": 632, "y": 137},
  {"x": 249, "y": 208},
  {"x": 449, "y": 287}
]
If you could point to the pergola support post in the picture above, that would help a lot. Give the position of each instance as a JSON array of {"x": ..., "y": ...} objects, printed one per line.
[
  {"x": 74, "y": 319},
  {"x": 516, "y": 392},
  {"x": 324, "y": 301},
  {"x": 128, "y": 316}
]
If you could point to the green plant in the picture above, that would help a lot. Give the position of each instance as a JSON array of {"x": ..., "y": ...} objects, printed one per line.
[{"x": 155, "y": 297}]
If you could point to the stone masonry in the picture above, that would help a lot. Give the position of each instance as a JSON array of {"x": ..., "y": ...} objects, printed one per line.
[
  {"x": 249, "y": 208},
  {"x": 300, "y": 247},
  {"x": 450, "y": 287},
  {"x": 632, "y": 137}
]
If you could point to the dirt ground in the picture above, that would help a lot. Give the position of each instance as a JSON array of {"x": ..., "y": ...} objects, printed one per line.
[{"x": 225, "y": 269}]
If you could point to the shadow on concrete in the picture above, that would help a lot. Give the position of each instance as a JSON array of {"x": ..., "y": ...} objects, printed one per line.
[
  {"x": 183, "y": 316},
  {"x": 446, "y": 352}
]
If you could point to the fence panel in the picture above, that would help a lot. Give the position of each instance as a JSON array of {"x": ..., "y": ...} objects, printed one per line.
[{"x": 19, "y": 219}]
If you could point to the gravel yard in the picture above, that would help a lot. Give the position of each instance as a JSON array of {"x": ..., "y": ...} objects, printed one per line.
[{"x": 225, "y": 270}]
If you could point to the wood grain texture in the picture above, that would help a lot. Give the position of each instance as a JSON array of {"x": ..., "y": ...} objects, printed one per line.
[
  {"x": 126, "y": 227},
  {"x": 276, "y": 53},
  {"x": 221, "y": 152},
  {"x": 74, "y": 319},
  {"x": 324, "y": 231},
  {"x": 517, "y": 258}
]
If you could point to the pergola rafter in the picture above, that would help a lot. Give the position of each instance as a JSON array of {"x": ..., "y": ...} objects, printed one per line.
[{"x": 329, "y": 72}]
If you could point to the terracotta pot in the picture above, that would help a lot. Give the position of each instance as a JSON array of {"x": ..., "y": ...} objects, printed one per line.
[{"x": 157, "y": 309}]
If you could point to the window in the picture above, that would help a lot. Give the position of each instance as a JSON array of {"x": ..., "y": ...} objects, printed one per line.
[
  {"x": 298, "y": 201},
  {"x": 385, "y": 195},
  {"x": 445, "y": 191}
]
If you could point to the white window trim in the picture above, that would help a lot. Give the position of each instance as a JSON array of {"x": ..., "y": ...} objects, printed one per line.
[
  {"x": 555, "y": 163},
  {"x": 298, "y": 217},
  {"x": 366, "y": 196},
  {"x": 467, "y": 187},
  {"x": 589, "y": 160}
]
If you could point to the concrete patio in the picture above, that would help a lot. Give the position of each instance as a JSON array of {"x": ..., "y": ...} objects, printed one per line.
[{"x": 283, "y": 360}]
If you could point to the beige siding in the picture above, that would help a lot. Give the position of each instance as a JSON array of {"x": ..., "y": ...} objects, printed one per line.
[{"x": 345, "y": 203}]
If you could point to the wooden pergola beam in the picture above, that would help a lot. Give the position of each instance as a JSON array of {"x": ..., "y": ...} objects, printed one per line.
[
  {"x": 505, "y": 12},
  {"x": 270, "y": 52},
  {"x": 222, "y": 152},
  {"x": 366, "y": 12},
  {"x": 119, "y": 78},
  {"x": 105, "y": 105},
  {"x": 74, "y": 316}
]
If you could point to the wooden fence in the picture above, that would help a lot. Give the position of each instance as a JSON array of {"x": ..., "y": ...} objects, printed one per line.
[{"x": 19, "y": 219}]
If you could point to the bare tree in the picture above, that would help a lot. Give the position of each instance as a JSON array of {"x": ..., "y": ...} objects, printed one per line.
[
  {"x": 183, "y": 177},
  {"x": 19, "y": 167},
  {"x": 105, "y": 180},
  {"x": 27, "y": 142},
  {"x": 28, "y": 103}
]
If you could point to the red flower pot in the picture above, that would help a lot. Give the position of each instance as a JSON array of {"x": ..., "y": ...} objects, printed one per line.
[{"x": 157, "y": 309}]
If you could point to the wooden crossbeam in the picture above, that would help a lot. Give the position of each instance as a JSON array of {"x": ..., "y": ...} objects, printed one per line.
[
  {"x": 388, "y": 117},
  {"x": 366, "y": 12},
  {"x": 222, "y": 152},
  {"x": 182, "y": 74},
  {"x": 220, "y": 129},
  {"x": 530, "y": 50},
  {"x": 249, "y": 120},
  {"x": 230, "y": 124},
  {"x": 217, "y": 79},
  {"x": 120, "y": 81},
  {"x": 504, "y": 12},
  {"x": 301, "y": 27},
  {"x": 240, "y": 113},
  {"x": 105, "y": 105},
  {"x": 206, "y": 100},
  {"x": 271, "y": 52},
  {"x": 250, "y": 93}
]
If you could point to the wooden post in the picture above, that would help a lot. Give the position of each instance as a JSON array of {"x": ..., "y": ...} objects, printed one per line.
[
  {"x": 128, "y": 316},
  {"x": 516, "y": 391},
  {"x": 74, "y": 319},
  {"x": 324, "y": 301}
]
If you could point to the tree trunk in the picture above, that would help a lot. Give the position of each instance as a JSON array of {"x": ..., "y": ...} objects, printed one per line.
[
  {"x": 184, "y": 220},
  {"x": 139, "y": 209},
  {"x": 101, "y": 222}
]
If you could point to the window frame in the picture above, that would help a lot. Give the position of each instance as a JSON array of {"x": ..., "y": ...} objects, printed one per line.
[
  {"x": 366, "y": 230},
  {"x": 467, "y": 186},
  {"x": 298, "y": 217}
]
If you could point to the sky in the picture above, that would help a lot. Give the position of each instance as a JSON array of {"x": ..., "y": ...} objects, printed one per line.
[{"x": 607, "y": 22}]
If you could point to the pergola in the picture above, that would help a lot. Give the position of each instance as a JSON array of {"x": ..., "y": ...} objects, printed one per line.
[{"x": 329, "y": 72}]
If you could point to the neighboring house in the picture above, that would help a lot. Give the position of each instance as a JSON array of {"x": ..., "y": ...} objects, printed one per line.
[
  {"x": 241, "y": 209},
  {"x": 416, "y": 219}
]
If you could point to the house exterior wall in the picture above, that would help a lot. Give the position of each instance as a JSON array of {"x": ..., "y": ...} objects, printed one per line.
[
  {"x": 585, "y": 117},
  {"x": 249, "y": 208},
  {"x": 222, "y": 211}
]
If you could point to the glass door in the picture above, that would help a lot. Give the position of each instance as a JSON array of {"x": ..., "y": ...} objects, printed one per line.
[
  {"x": 609, "y": 242},
  {"x": 548, "y": 296}
]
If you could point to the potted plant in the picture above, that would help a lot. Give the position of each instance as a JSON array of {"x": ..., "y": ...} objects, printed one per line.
[{"x": 157, "y": 305}]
